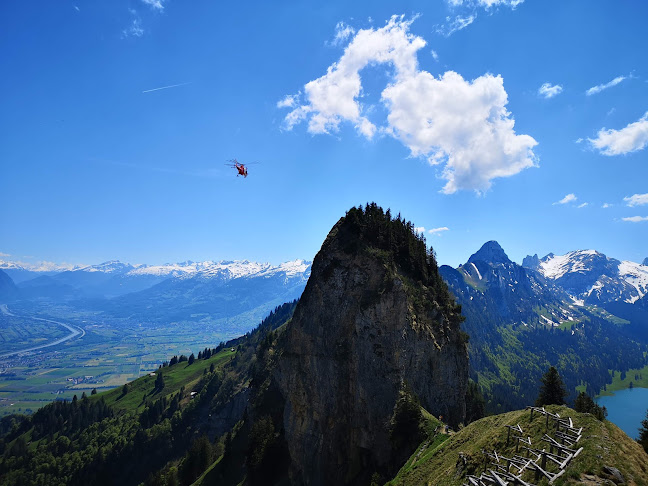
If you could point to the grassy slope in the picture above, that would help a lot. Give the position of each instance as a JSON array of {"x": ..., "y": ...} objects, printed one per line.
[
  {"x": 176, "y": 376},
  {"x": 604, "y": 445},
  {"x": 619, "y": 384}
]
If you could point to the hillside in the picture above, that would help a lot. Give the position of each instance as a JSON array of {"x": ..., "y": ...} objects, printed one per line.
[{"x": 604, "y": 446}]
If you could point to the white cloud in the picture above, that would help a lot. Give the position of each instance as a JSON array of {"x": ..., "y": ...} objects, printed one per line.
[
  {"x": 583, "y": 205},
  {"x": 629, "y": 139},
  {"x": 155, "y": 4},
  {"x": 567, "y": 199},
  {"x": 635, "y": 219},
  {"x": 342, "y": 33},
  {"x": 438, "y": 231},
  {"x": 460, "y": 125},
  {"x": 435, "y": 56},
  {"x": 601, "y": 87},
  {"x": 135, "y": 28},
  {"x": 636, "y": 200},
  {"x": 486, "y": 3},
  {"x": 606, "y": 205},
  {"x": 4, "y": 254},
  {"x": 468, "y": 13},
  {"x": 549, "y": 91},
  {"x": 578, "y": 140},
  {"x": 420, "y": 229},
  {"x": 452, "y": 26},
  {"x": 289, "y": 101},
  {"x": 76, "y": 8}
]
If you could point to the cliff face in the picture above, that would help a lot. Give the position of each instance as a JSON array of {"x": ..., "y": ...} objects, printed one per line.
[{"x": 362, "y": 330}]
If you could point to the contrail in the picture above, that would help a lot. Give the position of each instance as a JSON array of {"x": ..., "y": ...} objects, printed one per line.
[{"x": 165, "y": 87}]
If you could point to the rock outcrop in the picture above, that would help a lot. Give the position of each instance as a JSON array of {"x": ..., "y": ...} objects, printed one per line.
[{"x": 374, "y": 318}]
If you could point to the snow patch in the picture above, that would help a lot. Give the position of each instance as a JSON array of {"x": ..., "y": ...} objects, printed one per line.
[
  {"x": 637, "y": 276},
  {"x": 476, "y": 270},
  {"x": 555, "y": 266}
]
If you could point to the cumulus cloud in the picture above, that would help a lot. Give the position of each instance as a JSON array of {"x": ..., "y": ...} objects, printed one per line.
[
  {"x": 636, "y": 200},
  {"x": 435, "y": 56},
  {"x": 460, "y": 125},
  {"x": 617, "y": 142},
  {"x": 549, "y": 91},
  {"x": 601, "y": 87},
  {"x": 583, "y": 205},
  {"x": 155, "y": 4},
  {"x": 635, "y": 219},
  {"x": 420, "y": 229},
  {"x": 438, "y": 231},
  {"x": 606, "y": 205},
  {"x": 4, "y": 254},
  {"x": 567, "y": 199}
]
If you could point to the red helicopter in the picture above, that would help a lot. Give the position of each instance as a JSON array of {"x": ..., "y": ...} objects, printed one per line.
[{"x": 240, "y": 167}]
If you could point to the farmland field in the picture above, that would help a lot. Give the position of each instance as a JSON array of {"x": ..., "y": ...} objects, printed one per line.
[{"x": 106, "y": 354}]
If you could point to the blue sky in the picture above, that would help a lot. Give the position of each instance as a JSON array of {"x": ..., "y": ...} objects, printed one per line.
[{"x": 435, "y": 109}]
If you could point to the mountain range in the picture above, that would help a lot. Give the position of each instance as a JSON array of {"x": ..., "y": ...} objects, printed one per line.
[
  {"x": 523, "y": 319},
  {"x": 591, "y": 277},
  {"x": 235, "y": 293},
  {"x": 356, "y": 383}
]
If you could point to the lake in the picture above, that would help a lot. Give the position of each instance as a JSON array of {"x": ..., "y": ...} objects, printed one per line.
[{"x": 626, "y": 409}]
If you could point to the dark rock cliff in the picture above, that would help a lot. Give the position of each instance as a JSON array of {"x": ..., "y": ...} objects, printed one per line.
[{"x": 375, "y": 317}]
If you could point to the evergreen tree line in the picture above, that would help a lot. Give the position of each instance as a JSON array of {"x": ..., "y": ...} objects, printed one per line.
[{"x": 372, "y": 227}]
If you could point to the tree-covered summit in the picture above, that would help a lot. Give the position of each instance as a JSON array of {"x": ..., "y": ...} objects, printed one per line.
[
  {"x": 376, "y": 228},
  {"x": 397, "y": 243}
]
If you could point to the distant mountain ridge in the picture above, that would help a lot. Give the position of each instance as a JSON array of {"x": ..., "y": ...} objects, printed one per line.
[
  {"x": 114, "y": 278},
  {"x": 232, "y": 268},
  {"x": 591, "y": 277}
]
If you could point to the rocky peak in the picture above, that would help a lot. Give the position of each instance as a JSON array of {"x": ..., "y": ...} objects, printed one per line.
[
  {"x": 490, "y": 252},
  {"x": 532, "y": 262},
  {"x": 645, "y": 262},
  {"x": 375, "y": 317}
]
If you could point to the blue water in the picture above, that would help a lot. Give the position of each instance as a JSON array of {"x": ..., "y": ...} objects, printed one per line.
[{"x": 626, "y": 409}]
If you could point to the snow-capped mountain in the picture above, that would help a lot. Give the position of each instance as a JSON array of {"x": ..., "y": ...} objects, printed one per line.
[
  {"x": 223, "y": 270},
  {"x": 21, "y": 271},
  {"x": 114, "y": 278},
  {"x": 593, "y": 278},
  {"x": 220, "y": 290},
  {"x": 492, "y": 287},
  {"x": 517, "y": 318},
  {"x": 113, "y": 266}
]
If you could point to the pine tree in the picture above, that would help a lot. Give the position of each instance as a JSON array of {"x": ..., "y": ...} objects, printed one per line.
[
  {"x": 159, "y": 382},
  {"x": 552, "y": 391},
  {"x": 643, "y": 433}
]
